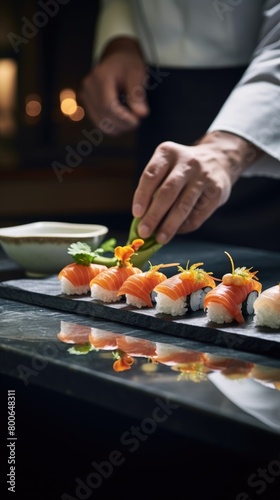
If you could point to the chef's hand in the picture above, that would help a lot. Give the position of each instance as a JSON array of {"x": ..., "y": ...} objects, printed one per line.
[
  {"x": 120, "y": 74},
  {"x": 182, "y": 186}
]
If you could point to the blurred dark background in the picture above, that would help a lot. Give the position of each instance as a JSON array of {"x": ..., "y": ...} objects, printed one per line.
[
  {"x": 49, "y": 168},
  {"x": 55, "y": 165}
]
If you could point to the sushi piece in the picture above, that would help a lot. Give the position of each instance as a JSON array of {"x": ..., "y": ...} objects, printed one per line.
[
  {"x": 184, "y": 291},
  {"x": 138, "y": 288},
  {"x": 75, "y": 278},
  {"x": 267, "y": 308},
  {"x": 226, "y": 302},
  {"x": 106, "y": 285}
]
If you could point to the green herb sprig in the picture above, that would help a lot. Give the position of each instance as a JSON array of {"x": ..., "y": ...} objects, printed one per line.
[{"x": 83, "y": 254}]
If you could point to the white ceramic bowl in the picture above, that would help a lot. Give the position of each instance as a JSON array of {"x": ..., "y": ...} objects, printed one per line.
[{"x": 40, "y": 248}]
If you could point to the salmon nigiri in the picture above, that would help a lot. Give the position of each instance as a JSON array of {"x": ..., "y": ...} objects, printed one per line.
[
  {"x": 267, "y": 308},
  {"x": 138, "y": 288},
  {"x": 183, "y": 291},
  {"x": 106, "y": 285},
  {"x": 238, "y": 290},
  {"x": 75, "y": 278}
]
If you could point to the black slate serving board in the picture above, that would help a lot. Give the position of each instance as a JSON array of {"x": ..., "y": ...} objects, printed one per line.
[{"x": 194, "y": 326}]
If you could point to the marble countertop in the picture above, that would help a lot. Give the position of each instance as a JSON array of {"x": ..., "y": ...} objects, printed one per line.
[{"x": 217, "y": 394}]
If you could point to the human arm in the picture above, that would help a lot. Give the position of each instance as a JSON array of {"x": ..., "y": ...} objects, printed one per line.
[
  {"x": 113, "y": 92},
  {"x": 182, "y": 186},
  {"x": 247, "y": 130},
  {"x": 253, "y": 107}
]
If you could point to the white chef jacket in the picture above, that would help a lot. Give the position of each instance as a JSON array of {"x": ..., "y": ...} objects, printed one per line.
[{"x": 213, "y": 34}]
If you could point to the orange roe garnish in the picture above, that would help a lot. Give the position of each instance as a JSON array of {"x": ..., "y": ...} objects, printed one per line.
[{"x": 239, "y": 276}]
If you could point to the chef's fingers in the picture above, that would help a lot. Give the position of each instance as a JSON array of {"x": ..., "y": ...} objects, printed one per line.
[
  {"x": 170, "y": 207},
  {"x": 136, "y": 97},
  {"x": 105, "y": 109},
  {"x": 167, "y": 191},
  {"x": 204, "y": 207},
  {"x": 187, "y": 213},
  {"x": 178, "y": 190},
  {"x": 152, "y": 178},
  {"x": 128, "y": 108}
]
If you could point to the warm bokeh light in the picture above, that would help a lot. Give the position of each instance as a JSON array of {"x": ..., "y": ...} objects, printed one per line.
[
  {"x": 8, "y": 89},
  {"x": 67, "y": 94},
  {"x": 68, "y": 106},
  {"x": 33, "y": 105},
  {"x": 8, "y": 78},
  {"x": 78, "y": 114}
]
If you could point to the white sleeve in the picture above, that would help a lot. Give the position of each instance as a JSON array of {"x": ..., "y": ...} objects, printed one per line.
[
  {"x": 115, "y": 19},
  {"x": 252, "y": 110}
]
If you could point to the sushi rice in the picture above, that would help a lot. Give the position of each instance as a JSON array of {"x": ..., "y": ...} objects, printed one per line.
[
  {"x": 267, "y": 317},
  {"x": 100, "y": 293},
  {"x": 167, "y": 306},
  {"x": 69, "y": 289},
  {"x": 218, "y": 313},
  {"x": 181, "y": 306},
  {"x": 267, "y": 308},
  {"x": 135, "y": 301}
]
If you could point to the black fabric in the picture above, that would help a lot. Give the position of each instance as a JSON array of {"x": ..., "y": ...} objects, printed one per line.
[{"x": 183, "y": 104}]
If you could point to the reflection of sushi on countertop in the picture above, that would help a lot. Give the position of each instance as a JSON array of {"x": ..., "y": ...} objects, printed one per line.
[
  {"x": 170, "y": 354},
  {"x": 267, "y": 308},
  {"x": 103, "y": 339},
  {"x": 187, "y": 362},
  {"x": 233, "y": 297},
  {"x": 184, "y": 291},
  {"x": 136, "y": 346},
  {"x": 73, "y": 333},
  {"x": 106, "y": 285},
  {"x": 229, "y": 367},
  {"x": 267, "y": 375},
  {"x": 138, "y": 288}
]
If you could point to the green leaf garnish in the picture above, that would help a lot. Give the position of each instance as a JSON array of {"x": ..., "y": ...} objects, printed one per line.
[
  {"x": 82, "y": 253},
  {"x": 80, "y": 349},
  {"x": 108, "y": 245},
  {"x": 117, "y": 354}
]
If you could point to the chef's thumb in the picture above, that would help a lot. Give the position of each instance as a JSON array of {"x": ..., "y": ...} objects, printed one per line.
[{"x": 137, "y": 101}]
